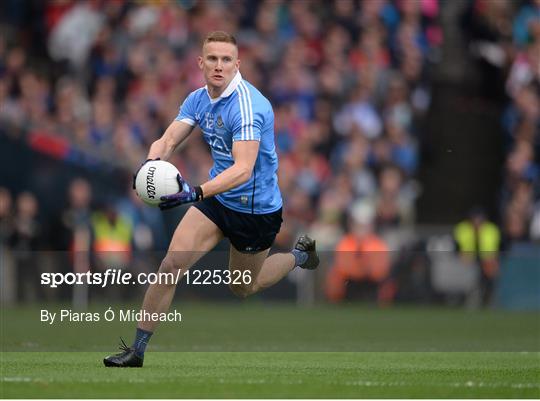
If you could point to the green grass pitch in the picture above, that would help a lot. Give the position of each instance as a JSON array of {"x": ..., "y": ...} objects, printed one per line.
[{"x": 256, "y": 350}]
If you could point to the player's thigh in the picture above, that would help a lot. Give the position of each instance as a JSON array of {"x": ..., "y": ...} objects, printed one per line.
[
  {"x": 253, "y": 262},
  {"x": 195, "y": 235}
]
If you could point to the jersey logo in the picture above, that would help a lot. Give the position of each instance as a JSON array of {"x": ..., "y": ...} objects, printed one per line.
[
  {"x": 219, "y": 122},
  {"x": 217, "y": 144}
]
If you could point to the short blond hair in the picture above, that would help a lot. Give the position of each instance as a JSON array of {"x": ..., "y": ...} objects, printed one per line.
[{"x": 220, "y": 36}]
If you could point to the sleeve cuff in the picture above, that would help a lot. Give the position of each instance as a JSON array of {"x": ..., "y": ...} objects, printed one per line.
[
  {"x": 188, "y": 121},
  {"x": 239, "y": 138}
]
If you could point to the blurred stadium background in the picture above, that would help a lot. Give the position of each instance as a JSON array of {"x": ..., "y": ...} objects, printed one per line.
[{"x": 407, "y": 131}]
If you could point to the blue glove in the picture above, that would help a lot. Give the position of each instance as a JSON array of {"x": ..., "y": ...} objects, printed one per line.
[
  {"x": 139, "y": 169},
  {"x": 187, "y": 194}
]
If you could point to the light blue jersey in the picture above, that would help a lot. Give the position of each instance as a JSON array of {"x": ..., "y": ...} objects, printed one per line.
[{"x": 241, "y": 113}]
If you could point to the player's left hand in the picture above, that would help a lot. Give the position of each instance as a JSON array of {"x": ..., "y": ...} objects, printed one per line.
[{"x": 187, "y": 194}]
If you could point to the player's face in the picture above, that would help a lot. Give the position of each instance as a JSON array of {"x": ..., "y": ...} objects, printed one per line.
[{"x": 219, "y": 64}]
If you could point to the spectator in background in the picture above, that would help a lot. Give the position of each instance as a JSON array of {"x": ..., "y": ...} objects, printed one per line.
[
  {"x": 327, "y": 227},
  {"x": 72, "y": 36},
  {"x": 355, "y": 164},
  {"x": 394, "y": 203},
  {"x": 535, "y": 223},
  {"x": 70, "y": 232},
  {"x": 25, "y": 242},
  {"x": 359, "y": 112},
  {"x": 478, "y": 242},
  {"x": 111, "y": 246},
  {"x": 489, "y": 27},
  {"x": 515, "y": 228},
  {"x": 112, "y": 236},
  {"x": 6, "y": 229},
  {"x": 526, "y": 25},
  {"x": 75, "y": 216},
  {"x": 361, "y": 258},
  {"x": 6, "y": 216}
]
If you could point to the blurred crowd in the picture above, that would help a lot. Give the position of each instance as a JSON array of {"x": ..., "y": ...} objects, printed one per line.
[
  {"x": 349, "y": 81},
  {"x": 505, "y": 40}
]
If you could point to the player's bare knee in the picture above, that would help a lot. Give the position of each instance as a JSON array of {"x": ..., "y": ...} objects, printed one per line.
[
  {"x": 169, "y": 264},
  {"x": 241, "y": 290}
]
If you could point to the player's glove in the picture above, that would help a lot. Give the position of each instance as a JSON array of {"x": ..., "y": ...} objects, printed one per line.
[
  {"x": 139, "y": 169},
  {"x": 187, "y": 194}
]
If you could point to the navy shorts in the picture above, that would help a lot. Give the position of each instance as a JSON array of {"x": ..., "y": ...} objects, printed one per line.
[{"x": 248, "y": 233}]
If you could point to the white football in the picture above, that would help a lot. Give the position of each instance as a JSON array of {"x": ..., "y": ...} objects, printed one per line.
[{"x": 155, "y": 179}]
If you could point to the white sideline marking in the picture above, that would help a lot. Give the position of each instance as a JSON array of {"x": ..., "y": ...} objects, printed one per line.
[
  {"x": 359, "y": 383},
  {"x": 469, "y": 384},
  {"x": 497, "y": 385},
  {"x": 16, "y": 379}
]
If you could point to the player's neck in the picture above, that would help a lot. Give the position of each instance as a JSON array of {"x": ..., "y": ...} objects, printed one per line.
[{"x": 215, "y": 92}]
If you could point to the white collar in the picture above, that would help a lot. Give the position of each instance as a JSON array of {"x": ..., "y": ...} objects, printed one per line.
[{"x": 228, "y": 90}]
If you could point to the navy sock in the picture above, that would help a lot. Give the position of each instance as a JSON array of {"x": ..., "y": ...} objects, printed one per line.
[
  {"x": 141, "y": 341},
  {"x": 300, "y": 257}
]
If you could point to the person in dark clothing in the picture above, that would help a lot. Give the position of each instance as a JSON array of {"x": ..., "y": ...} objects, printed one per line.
[{"x": 24, "y": 242}]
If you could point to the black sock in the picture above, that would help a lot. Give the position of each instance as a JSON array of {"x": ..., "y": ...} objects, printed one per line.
[{"x": 141, "y": 341}]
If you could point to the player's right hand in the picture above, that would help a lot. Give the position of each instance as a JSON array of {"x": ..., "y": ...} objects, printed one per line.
[
  {"x": 139, "y": 169},
  {"x": 186, "y": 194}
]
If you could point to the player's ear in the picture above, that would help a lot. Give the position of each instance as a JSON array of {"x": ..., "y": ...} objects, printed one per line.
[
  {"x": 200, "y": 62},
  {"x": 237, "y": 64}
]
